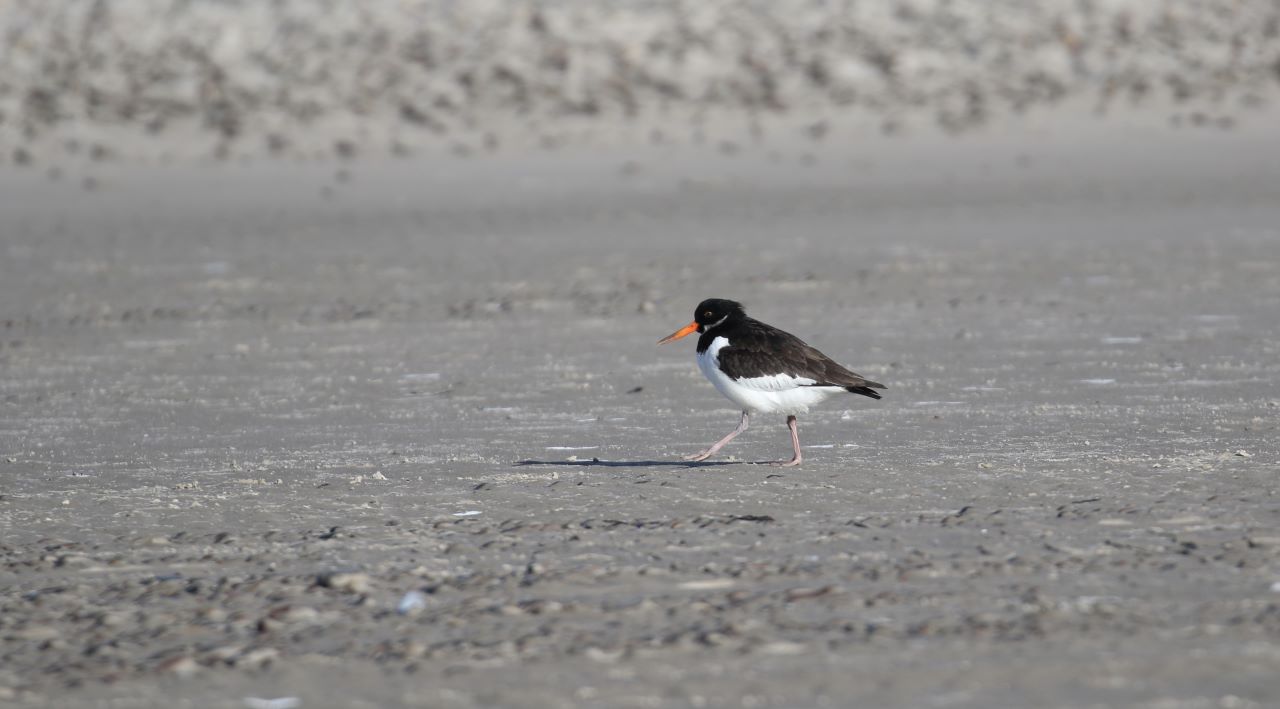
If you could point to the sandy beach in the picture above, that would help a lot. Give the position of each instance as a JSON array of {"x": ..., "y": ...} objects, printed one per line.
[{"x": 393, "y": 431}]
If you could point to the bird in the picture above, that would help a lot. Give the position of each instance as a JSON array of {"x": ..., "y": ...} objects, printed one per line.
[{"x": 763, "y": 369}]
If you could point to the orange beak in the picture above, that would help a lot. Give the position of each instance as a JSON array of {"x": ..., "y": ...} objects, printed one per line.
[{"x": 686, "y": 330}]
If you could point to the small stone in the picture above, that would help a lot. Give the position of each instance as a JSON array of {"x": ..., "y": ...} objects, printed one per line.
[
  {"x": 1242, "y": 453},
  {"x": 181, "y": 666},
  {"x": 543, "y": 606},
  {"x": 39, "y": 633},
  {"x": 157, "y": 621},
  {"x": 707, "y": 584},
  {"x": 800, "y": 594},
  {"x": 71, "y": 561},
  {"x": 113, "y": 620},
  {"x": 412, "y": 603},
  {"x": 605, "y": 657},
  {"x": 212, "y": 614},
  {"x": 783, "y": 647},
  {"x": 277, "y": 703},
  {"x": 348, "y": 583},
  {"x": 225, "y": 654},
  {"x": 297, "y": 615},
  {"x": 257, "y": 658}
]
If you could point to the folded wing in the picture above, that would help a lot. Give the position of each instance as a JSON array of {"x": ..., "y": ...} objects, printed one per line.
[{"x": 766, "y": 358}]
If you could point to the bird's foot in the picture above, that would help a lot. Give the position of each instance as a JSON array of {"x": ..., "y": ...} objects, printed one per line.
[
  {"x": 699, "y": 456},
  {"x": 786, "y": 463}
]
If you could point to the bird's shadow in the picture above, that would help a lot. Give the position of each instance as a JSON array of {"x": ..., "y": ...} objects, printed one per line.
[{"x": 597, "y": 463}]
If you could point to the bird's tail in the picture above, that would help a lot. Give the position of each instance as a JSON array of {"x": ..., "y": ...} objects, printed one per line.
[{"x": 866, "y": 390}]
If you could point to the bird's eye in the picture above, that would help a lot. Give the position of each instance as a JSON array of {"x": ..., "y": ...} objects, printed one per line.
[{"x": 707, "y": 314}]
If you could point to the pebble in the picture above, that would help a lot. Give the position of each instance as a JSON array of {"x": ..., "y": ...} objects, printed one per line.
[
  {"x": 277, "y": 703},
  {"x": 212, "y": 614},
  {"x": 38, "y": 633},
  {"x": 114, "y": 619},
  {"x": 607, "y": 657},
  {"x": 412, "y": 603},
  {"x": 707, "y": 584},
  {"x": 348, "y": 582},
  {"x": 73, "y": 561},
  {"x": 783, "y": 647},
  {"x": 225, "y": 653},
  {"x": 181, "y": 666},
  {"x": 298, "y": 615},
  {"x": 257, "y": 658}
]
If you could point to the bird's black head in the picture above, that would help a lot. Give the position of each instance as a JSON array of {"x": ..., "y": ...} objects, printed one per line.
[
  {"x": 713, "y": 311},
  {"x": 710, "y": 313}
]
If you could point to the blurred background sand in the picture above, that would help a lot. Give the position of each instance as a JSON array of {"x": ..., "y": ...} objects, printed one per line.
[{"x": 157, "y": 79}]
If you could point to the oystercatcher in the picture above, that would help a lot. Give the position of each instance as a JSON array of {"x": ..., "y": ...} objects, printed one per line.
[{"x": 763, "y": 369}]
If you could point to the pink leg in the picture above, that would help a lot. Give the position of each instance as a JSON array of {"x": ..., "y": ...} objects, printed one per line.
[
  {"x": 795, "y": 445},
  {"x": 720, "y": 443}
]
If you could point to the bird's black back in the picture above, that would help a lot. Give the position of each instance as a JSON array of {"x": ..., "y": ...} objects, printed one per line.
[{"x": 757, "y": 349}]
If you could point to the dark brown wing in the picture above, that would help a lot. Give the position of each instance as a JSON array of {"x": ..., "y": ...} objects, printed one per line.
[{"x": 760, "y": 350}]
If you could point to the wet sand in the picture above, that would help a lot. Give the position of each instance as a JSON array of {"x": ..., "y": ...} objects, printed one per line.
[{"x": 245, "y": 408}]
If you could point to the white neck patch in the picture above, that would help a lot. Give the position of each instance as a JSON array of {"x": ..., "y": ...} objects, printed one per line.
[{"x": 717, "y": 323}]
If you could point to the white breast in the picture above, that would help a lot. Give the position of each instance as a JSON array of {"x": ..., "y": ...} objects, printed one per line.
[{"x": 777, "y": 393}]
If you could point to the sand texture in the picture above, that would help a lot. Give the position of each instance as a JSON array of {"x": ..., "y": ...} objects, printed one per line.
[
  {"x": 246, "y": 410},
  {"x": 328, "y": 370}
]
